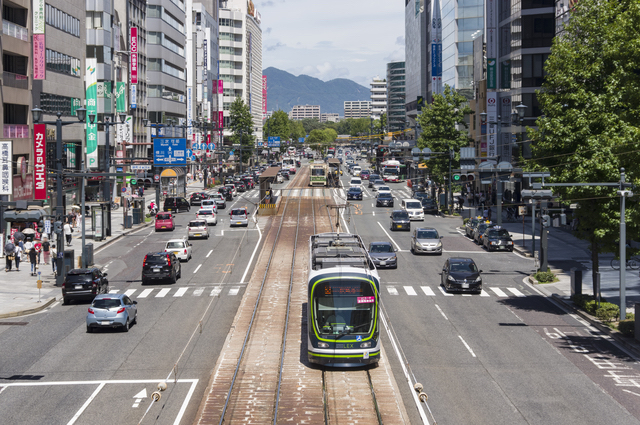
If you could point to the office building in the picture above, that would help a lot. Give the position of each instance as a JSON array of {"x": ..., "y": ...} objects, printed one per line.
[
  {"x": 416, "y": 56},
  {"x": 396, "y": 116},
  {"x": 329, "y": 117},
  {"x": 300, "y": 112},
  {"x": 357, "y": 109},
  {"x": 378, "y": 97}
]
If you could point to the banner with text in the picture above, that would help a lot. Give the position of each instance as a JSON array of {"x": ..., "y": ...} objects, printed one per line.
[
  {"x": 6, "y": 166},
  {"x": 39, "y": 162},
  {"x": 91, "y": 78},
  {"x": 133, "y": 47}
]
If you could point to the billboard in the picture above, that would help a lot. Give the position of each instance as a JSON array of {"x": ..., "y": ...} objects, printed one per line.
[
  {"x": 39, "y": 65},
  {"x": 492, "y": 130},
  {"x": 133, "y": 46},
  {"x": 121, "y": 96},
  {"x": 91, "y": 79},
  {"x": 264, "y": 96},
  {"x": 6, "y": 158},
  {"x": 39, "y": 162}
]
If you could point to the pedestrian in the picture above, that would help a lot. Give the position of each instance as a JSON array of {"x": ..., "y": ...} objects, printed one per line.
[
  {"x": 27, "y": 246},
  {"x": 68, "y": 230},
  {"x": 9, "y": 252},
  {"x": 33, "y": 259},
  {"x": 46, "y": 250},
  {"x": 37, "y": 245},
  {"x": 53, "y": 258},
  {"x": 485, "y": 214},
  {"x": 17, "y": 256}
]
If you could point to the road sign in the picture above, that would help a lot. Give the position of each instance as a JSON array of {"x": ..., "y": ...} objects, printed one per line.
[
  {"x": 124, "y": 190},
  {"x": 140, "y": 167},
  {"x": 133, "y": 181},
  {"x": 47, "y": 226},
  {"x": 156, "y": 178},
  {"x": 273, "y": 142},
  {"x": 169, "y": 152}
]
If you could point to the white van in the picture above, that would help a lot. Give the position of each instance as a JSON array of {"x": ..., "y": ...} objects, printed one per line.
[
  {"x": 355, "y": 181},
  {"x": 414, "y": 208},
  {"x": 356, "y": 171}
]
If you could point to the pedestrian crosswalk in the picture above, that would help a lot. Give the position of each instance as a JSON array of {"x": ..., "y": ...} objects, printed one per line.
[
  {"x": 429, "y": 292},
  {"x": 184, "y": 291}
]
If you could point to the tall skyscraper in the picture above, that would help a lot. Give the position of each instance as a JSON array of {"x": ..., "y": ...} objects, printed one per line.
[{"x": 396, "y": 116}]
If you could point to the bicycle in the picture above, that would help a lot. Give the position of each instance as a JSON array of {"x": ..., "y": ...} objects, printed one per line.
[
  {"x": 114, "y": 206},
  {"x": 633, "y": 263}
]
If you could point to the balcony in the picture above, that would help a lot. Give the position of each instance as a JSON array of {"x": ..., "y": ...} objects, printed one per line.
[
  {"x": 14, "y": 30},
  {"x": 15, "y": 131},
  {"x": 18, "y": 81}
]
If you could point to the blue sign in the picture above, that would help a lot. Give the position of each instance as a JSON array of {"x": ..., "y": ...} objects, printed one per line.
[
  {"x": 274, "y": 142},
  {"x": 211, "y": 146},
  {"x": 436, "y": 59},
  {"x": 169, "y": 152},
  {"x": 300, "y": 139},
  {"x": 189, "y": 152}
]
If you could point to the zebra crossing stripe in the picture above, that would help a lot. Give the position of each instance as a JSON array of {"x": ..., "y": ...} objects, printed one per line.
[
  {"x": 130, "y": 292},
  {"x": 428, "y": 291},
  {"x": 515, "y": 292},
  {"x": 392, "y": 290},
  {"x": 234, "y": 290},
  {"x": 180, "y": 292},
  {"x": 198, "y": 292},
  {"x": 145, "y": 293},
  {"x": 499, "y": 292},
  {"x": 163, "y": 292},
  {"x": 446, "y": 294},
  {"x": 410, "y": 290},
  {"x": 215, "y": 291},
  {"x": 114, "y": 291},
  {"x": 484, "y": 293}
]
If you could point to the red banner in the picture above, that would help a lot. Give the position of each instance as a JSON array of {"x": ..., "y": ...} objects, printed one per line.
[
  {"x": 39, "y": 162},
  {"x": 134, "y": 55},
  {"x": 264, "y": 96},
  {"x": 220, "y": 87},
  {"x": 220, "y": 119}
]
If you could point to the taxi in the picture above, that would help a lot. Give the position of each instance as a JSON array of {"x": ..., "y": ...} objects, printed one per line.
[
  {"x": 496, "y": 238},
  {"x": 478, "y": 233},
  {"x": 180, "y": 247},
  {"x": 471, "y": 226}
]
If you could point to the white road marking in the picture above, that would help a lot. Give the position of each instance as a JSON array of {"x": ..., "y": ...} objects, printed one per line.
[
  {"x": 446, "y": 294},
  {"x": 216, "y": 291},
  {"x": 410, "y": 290},
  {"x": 441, "y": 312},
  {"x": 130, "y": 292},
  {"x": 428, "y": 291},
  {"x": 163, "y": 292},
  {"x": 114, "y": 291},
  {"x": 466, "y": 295},
  {"x": 145, "y": 293},
  {"x": 373, "y": 213},
  {"x": 389, "y": 236},
  {"x": 234, "y": 291},
  {"x": 209, "y": 253},
  {"x": 499, "y": 292},
  {"x": 392, "y": 290},
  {"x": 484, "y": 293},
  {"x": 180, "y": 292},
  {"x": 198, "y": 292},
  {"x": 86, "y": 404},
  {"x": 515, "y": 292},
  {"x": 197, "y": 268},
  {"x": 467, "y": 345}
]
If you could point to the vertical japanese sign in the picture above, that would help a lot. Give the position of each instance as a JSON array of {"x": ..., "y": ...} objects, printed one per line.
[
  {"x": 121, "y": 97},
  {"x": 220, "y": 104},
  {"x": 39, "y": 65},
  {"x": 133, "y": 47},
  {"x": 6, "y": 156},
  {"x": 491, "y": 24},
  {"x": 205, "y": 63},
  {"x": 39, "y": 162},
  {"x": 436, "y": 48},
  {"x": 134, "y": 96},
  {"x": 264, "y": 96},
  {"x": 91, "y": 78},
  {"x": 492, "y": 130}
]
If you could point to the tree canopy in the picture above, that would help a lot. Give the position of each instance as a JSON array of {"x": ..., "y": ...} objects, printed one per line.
[{"x": 241, "y": 123}]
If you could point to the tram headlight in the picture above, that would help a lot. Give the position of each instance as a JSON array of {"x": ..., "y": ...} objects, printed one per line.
[
  {"x": 366, "y": 344},
  {"x": 323, "y": 345}
]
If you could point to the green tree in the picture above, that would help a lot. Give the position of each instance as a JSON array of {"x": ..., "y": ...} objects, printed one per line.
[
  {"x": 439, "y": 122},
  {"x": 277, "y": 125},
  {"x": 590, "y": 100},
  {"x": 297, "y": 129},
  {"x": 311, "y": 124},
  {"x": 241, "y": 123},
  {"x": 316, "y": 140}
]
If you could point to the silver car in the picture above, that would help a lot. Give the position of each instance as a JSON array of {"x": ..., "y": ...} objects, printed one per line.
[
  {"x": 112, "y": 311},
  {"x": 238, "y": 217},
  {"x": 198, "y": 229},
  {"x": 425, "y": 240}
]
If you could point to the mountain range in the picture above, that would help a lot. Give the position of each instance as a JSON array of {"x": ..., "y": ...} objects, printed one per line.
[{"x": 285, "y": 90}]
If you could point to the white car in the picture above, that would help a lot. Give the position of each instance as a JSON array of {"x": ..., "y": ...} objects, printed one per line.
[
  {"x": 209, "y": 203},
  {"x": 197, "y": 229},
  {"x": 378, "y": 184},
  {"x": 383, "y": 189},
  {"x": 209, "y": 215},
  {"x": 355, "y": 181},
  {"x": 180, "y": 247}
]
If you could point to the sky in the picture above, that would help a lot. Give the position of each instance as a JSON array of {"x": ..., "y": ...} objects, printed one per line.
[{"x": 329, "y": 39}]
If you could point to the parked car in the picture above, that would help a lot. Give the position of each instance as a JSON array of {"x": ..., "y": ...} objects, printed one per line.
[
  {"x": 180, "y": 247},
  {"x": 400, "y": 220},
  {"x": 198, "y": 228},
  {"x": 160, "y": 266},
  {"x": 354, "y": 193},
  {"x": 176, "y": 204},
  {"x": 461, "y": 274},
  {"x": 383, "y": 255},
  {"x": 164, "y": 221},
  {"x": 208, "y": 215},
  {"x": 112, "y": 311},
  {"x": 84, "y": 284},
  {"x": 425, "y": 240},
  {"x": 239, "y": 217},
  {"x": 496, "y": 238},
  {"x": 478, "y": 233}
]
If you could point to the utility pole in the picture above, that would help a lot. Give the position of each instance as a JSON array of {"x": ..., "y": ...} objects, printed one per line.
[{"x": 337, "y": 208}]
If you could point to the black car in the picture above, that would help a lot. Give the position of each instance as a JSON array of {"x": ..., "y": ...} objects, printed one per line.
[
  {"x": 240, "y": 186},
  {"x": 176, "y": 204},
  {"x": 497, "y": 238},
  {"x": 478, "y": 233},
  {"x": 228, "y": 180},
  {"x": 429, "y": 206},
  {"x": 160, "y": 266},
  {"x": 226, "y": 193},
  {"x": 383, "y": 255},
  {"x": 354, "y": 192},
  {"x": 470, "y": 227},
  {"x": 419, "y": 195},
  {"x": 400, "y": 220},
  {"x": 461, "y": 274},
  {"x": 196, "y": 198},
  {"x": 84, "y": 284},
  {"x": 373, "y": 178},
  {"x": 384, "y": 199}
]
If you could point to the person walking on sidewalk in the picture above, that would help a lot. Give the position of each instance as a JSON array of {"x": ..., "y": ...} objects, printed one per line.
[
  {"x": 68, "y": 231},
  {"x": 46, "y": 247},
  {"x": 17, "y": 256},
  {"x": 53, "y": 258},
  {"x": 9, "y": 252},
  {"x": 37, "y": 245},
  {"x": 33, "y": 259}
]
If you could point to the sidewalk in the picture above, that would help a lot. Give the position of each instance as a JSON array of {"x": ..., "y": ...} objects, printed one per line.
[{"x": 19, "y": 294}]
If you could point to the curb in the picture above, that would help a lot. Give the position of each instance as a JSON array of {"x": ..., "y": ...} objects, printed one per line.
[{"x": 29, "y": 310}]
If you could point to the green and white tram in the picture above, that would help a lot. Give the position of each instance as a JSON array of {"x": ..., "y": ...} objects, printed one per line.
[
  {"x": 343, "y": 302},
  {"x": 318, "y": 174}
]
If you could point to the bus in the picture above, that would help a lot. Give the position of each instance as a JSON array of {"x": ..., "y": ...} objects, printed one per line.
[
  {"x": 318, "y": 174},
  {"x": 289, "y": 164},
  {"x": 331, "y": 151},
  {"x": 343, "y": 302},
  {"x": 291, "y": 151},
  {"x": 391, "y": 171}
]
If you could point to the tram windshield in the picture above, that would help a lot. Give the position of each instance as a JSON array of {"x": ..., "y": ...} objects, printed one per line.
[
  {"x": 317, "y": 172},
  {"x": 344, "y": 307}
]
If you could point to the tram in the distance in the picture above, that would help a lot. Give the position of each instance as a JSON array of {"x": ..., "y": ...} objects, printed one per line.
[{"x": 343, "y": 302}]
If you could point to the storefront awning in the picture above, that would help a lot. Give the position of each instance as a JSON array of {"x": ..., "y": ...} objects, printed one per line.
[
  {"x": 25, "y": 216},
  {"x": 172, "y": 172}
]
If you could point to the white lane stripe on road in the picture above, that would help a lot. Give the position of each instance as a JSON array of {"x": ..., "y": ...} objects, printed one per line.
[
  {"x": 446, "y": 294},
  {"x": 392, "y": 290},
  {"x": 163, "y": 292},
  {"x": 410, "y": 290},
  {"x": 499, "y": 292},
  {"x": 145, "y": 293},
  {"x": 130, "y": 292},
  {"x": 467, "y": 345},
  {"x": 114, "y": 291},
  {"x": 197, "y": 268},
  {"x": 441, "y": 312},
  {"x": 216, "y": 291},
  {"x": 515, "y": 292},
  {"x": 484, "y": 293},
  {"x": 209, "y": 253},
  {"x": 198, "y": 292},
  {"x": 180, "y": 292},
  {"x": 389, "y": 236},
  {"x": 234, "y": 290},
  {"x": 86, "y": 404},
  {"x": 428, "y": 291}
]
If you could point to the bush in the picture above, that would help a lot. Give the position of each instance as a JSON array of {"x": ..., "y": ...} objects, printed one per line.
[
  {"x": 544, "y": 277},
  {"x": 627, "y": 327},
  {"x": 464, "y": 221},
  {"x": 607, "y": 312}
]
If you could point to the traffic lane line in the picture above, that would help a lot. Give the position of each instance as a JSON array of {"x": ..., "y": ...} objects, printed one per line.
[{"x": 391, "y": 239}]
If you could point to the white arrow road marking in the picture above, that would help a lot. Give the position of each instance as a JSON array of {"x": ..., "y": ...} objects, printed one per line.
[{"x": 142, "y": 394}]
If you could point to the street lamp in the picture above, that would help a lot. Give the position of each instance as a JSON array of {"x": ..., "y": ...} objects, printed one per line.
[
  {"x": 37, "y": 116},
  {"x": 107, "y": 148}
]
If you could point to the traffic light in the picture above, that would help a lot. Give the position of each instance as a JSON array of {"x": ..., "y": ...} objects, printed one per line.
[
  {"x": 57, "y": 227},
  {"x": 463, "y": 178},
  {"x": 546, "y": 221},
  {"x": 456, "y": 178}
]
